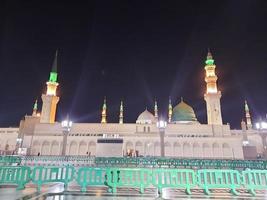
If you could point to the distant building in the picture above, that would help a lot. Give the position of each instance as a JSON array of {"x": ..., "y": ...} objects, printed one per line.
[{"x": 184, "y": 136}]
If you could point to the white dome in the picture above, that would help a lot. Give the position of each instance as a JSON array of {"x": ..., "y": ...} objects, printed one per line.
[{"x": 146, "y": 117}]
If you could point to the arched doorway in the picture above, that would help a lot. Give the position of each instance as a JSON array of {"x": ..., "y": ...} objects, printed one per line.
[
  {"x": 45, "y": 148},
  {"x": 227, "y": 151},
  {"x": 168, "y": 149},
  {"x": 187, "y": 152},
  {"x": 207, "y": 153},
  {"x": 129, "y": 149},
  {"x": 177, "y": 150},
  {"x": 149, "y": 149},
  {"x": 216, "y": 150},
  {"x": 82, "y": 148},
  {"x": 92, "y": 148},
  {"x": 139, "y": 149},
  {"x": 54, "y": 148},
  {"x": 157, "y": 149},
  {"x": 35, "y": 148},
  {"x": 73, "y": 148},
  {"x": 197, "y": 151}
]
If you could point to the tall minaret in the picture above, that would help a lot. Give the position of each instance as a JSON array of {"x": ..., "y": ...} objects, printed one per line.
[
  {"x": 244, "y": 132},
  {"x": 212, "y": 95},
  {"x": 248, "y": 117},
  {"x": 104, "y": 112},
  {"x": 156, "y": 110},
  {"x": 50, "y": 99},
  {"x": 35, "y": 107},
  {"x": 170, "y": 110},
  {"x": 121, "y": 114}
]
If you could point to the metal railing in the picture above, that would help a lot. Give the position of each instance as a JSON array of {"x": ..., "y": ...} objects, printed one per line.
[
  {"x": 214, "y": 179},
  {"x": 58, "y": 160},
  {"x": 9, "y": 160},
  {"x": 41, "y": 175},
  {"x": 140, "y": 178},
  {"x": 181, "y": 163},
  {"x": 155, "y": 162},
  {"x": 254, "y": 180},
  {"x": 13, "y": 175},
  {"x": 87, "y": 176}
]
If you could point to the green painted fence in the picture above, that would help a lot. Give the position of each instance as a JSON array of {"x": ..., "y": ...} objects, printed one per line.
[
  {"x": 9, "y": 160},
  {"x": 214, "y": 179},
  {"x": 173, "y": 178},
  {"x": 15, "y": 175},
  {"x": 254, "y": 180},
  {"x": 87, "y": 176},
  {"x": 140, "y": 178},
  {"x": 49, "y": 174},
  {"x": 126, "y": 177}
]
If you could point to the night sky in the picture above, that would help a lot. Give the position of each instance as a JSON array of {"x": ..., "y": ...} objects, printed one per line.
[{"x": 132, "y": 50}]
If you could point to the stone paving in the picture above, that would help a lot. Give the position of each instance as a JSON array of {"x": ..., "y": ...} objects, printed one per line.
[
  {"x": 56, "y": 192},
  {"x": 12, "y": 193}
]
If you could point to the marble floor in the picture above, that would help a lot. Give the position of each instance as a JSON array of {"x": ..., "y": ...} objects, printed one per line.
[{"x": 56, "y": 192}]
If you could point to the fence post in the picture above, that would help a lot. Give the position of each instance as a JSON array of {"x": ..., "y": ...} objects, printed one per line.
[{"x": 233, "y": 188}]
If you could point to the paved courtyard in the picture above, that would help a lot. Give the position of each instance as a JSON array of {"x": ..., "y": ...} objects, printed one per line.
[{"x": 56, "y": 192}]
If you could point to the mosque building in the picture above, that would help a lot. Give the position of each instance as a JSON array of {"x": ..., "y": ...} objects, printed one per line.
[{"x": 183, "y": 135}]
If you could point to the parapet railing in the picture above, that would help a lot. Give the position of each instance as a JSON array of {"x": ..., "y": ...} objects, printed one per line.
[
  {"x": 9, "y": 160},
  {"x": 181, "y": 162},
  {"x": 140, "y": 178},
  {"x": 155, "y": 162},
  {"x": 58, "y": 160}
]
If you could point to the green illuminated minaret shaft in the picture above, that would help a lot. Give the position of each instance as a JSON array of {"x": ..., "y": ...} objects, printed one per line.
[
  {"x": 53, "y": 73},
  {"x": 50, "y": 99}
]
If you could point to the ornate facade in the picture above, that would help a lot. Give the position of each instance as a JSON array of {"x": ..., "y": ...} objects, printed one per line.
[{"x": 184, "y": 136}]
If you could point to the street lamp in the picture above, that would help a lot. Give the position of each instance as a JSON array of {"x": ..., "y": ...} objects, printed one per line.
[
  {"x": 18, "y": 145},
  {"x": 66, "y": 126},
  {"x": 261, "y": 126},
  {"x": 162, "y": 126}
]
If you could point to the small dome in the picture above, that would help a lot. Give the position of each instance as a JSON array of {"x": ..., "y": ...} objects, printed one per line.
[
  {"x": 183, "y": 113},
  {"x": 146, "y": 117}
]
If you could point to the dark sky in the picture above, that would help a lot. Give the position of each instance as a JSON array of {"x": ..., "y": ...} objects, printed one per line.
[{"x": 132, "y": 50}]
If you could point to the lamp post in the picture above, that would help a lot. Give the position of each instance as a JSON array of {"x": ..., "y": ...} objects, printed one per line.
[
  {"x": 18, "y": 145},
  {"x": 261, "y": 126},
  {"x": 66, "y": 126},
  {"x": 162, "y": 126}
]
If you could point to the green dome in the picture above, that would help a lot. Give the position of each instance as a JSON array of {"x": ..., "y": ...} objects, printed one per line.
[{"x": 183, "y": 113}]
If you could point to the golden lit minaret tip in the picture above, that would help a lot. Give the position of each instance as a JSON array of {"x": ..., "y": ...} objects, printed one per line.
[
  {"x": 212, "y": 95},
  {"x": 52, "y": 82},
  {"x": 170, "y": 110},
  {"x": 248, "y": 117},
  {"x": 104, "y": 112},
  {"x": 121, "y": 113},
  {"x": 211, "y": 77},
  {"x": 156, "y": 110},
  {"x": 50, "y": 98}
]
